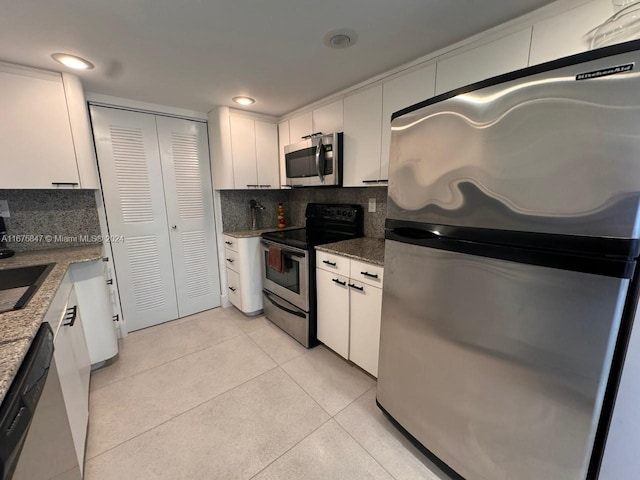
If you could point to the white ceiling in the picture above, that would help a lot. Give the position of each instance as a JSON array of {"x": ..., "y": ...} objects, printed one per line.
[{"x": 197, "y": 54}]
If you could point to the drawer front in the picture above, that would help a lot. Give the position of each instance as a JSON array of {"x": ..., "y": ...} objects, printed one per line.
[
  {"x": 232, "y": 260},
  {"x": 367, "y": 273},
  {"x": 231, "y": 243},
  {"x": 233, "y": 289},
  {"x": 332, "y": 263}
]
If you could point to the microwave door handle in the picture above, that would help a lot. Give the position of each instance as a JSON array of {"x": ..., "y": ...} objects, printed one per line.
[{"x": 320, "y": 168}]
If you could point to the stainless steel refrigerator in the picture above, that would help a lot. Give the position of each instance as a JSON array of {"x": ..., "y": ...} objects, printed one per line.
[{"x": 510, "y": 288}]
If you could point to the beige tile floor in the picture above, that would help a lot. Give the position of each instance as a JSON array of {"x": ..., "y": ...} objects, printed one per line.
[{"x": 221, "y": 396}]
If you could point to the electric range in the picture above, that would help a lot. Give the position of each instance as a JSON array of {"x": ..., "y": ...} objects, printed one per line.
[{"x": 290, "y": 295}]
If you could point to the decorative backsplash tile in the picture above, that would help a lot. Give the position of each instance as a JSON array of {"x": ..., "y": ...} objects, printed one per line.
[
  {"x": 236, "y": 215},
  {"x": 373, "y": 222},
  {"x": 48, "y": 219}
]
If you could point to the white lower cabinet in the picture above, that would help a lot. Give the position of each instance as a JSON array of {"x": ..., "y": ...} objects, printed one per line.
[
  {"x": 243, "y": 257},
  {"x": 365, "y": 312},
  {"x": 72, "y": 361},
  {"x": 333, "y": 311},
  {"x": 349, "y": 311},
  {"x": 91, "y": 285}
]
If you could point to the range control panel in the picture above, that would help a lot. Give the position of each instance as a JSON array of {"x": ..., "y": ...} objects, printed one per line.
[{"x": 341, "y": 212}]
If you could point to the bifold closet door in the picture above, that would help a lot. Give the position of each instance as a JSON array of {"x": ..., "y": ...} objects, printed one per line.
[
  {"x": 132, "y": 184},
  {"x": 184, "y": 153}
]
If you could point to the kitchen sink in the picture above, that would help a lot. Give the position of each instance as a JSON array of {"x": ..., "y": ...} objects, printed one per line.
[{"x": 17, "y": 285}]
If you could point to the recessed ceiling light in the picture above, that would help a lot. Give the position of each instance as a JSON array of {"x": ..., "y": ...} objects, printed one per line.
[
  {"x": 341, "y": 38},
  {"x": 72, "y": 61},
  {"x": 242, "y": 100}
]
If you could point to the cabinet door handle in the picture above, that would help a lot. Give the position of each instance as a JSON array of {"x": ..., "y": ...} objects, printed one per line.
[
  {"x": 71, "y": 184},
  {"x": 253, "y": 186},
  {"x": 369, "y": 181},
  {"x": 338, "y": 282},
  {"x": 370, "y": 275},
  {"x": 229, "y": 243},
  {"x": 356, "y": 287},
  {"x": 110, "y": 281},
  {"x": 333, "y": 264},
  {"x": 233, "y": 289},
  {"x": 265, "y": 186},
  {"x": 70, "y": 316},
  {"x": 230, "y": 260}
]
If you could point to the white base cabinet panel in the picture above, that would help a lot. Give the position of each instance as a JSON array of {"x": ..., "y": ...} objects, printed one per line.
[
  {"x": 365, "y": 312},
  {"x": 74, "y": 368},
  {"x": 243, "y": 258},
  {"x": 349, "y": 309},
  {"x": 333, "y": 311},
  {"x": 94, "y": 300}
]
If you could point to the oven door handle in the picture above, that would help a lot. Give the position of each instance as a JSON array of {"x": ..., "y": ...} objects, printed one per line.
[
  {"x": 281, "y": 307},
  {"x": 284, "y": 251}
]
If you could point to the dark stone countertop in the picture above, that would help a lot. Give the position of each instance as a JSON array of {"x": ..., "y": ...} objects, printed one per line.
[
  {"x": 18, "y": 327},
  {"x": 366, "y": 249}
]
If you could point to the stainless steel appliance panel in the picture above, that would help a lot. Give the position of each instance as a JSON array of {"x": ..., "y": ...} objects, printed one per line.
[
  {"x": 292, "y": 284},
  {"x": 547, "y": 153},
  {"x": 314, "y": 162},
  {"x": 287, "y": 316},
  {"x": 498, "y": 368}
]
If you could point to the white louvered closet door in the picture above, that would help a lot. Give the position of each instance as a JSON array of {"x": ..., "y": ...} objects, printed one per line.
[
  {"x": 132, "y": 184},
  {"x": 184, "y": 153}
]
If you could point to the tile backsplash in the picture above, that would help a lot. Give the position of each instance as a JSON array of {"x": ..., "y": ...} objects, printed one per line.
[
  {"x": 236, "y": 214},
  {"x": 48, "y": 219},
  {"x": 373, "y": 222}
]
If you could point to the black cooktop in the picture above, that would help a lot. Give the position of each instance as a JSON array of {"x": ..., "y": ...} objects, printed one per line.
[
  {"x": 305, "y": 238},
  {"x": 326, "y": 223}
]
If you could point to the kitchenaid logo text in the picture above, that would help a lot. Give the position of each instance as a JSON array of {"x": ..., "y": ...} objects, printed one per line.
[{"x": 606, "y": 72}]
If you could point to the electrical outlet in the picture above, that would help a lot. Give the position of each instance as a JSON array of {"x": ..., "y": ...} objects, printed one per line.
[
  {"x": 372, "y": 205},
  {"x": 4, "y": 209}
]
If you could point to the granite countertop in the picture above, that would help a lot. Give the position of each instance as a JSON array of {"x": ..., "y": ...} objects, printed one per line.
[
  {"x": 256, "y": 233},
  {"x": 18, "y": 327},
  {"x": 365, "y": 249}
]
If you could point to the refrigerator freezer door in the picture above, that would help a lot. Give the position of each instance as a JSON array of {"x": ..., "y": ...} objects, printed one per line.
[
  {"x": 498, "y": 368},
  {"x": 545, "y": 153}
]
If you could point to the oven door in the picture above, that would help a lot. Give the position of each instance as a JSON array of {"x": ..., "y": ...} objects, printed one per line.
[{"x": 292, "y": 284}]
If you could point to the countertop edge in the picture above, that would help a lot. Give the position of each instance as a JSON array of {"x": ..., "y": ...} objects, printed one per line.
[
  {"x": 256, "y": 233},
  {"x": 373, "y": 257},
  {"x": 19, "y": 327}
]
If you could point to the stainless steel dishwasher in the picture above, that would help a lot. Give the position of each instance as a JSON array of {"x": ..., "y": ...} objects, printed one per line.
[{"x": 42, "y": 449}]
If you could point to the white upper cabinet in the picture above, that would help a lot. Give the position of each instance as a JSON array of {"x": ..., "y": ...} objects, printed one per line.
[
  {"x": 495, "y": 58},
  {"x": 567, "y": 33},
  {"x": 326, "y": 119},
  {"x": 362, "y": 137},
  {"x": 267, "y": 155},
  {"x": 329, "y": 118},
  {"x": 42, "y": 114},
  {"x": 283, "y": 141},
  {"x": 401, "y": 92},
  {"x": 300, "y": 126},
  {"x": 244, "y": 151}
]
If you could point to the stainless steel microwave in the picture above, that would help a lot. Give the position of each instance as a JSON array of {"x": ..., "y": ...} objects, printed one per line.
[{"x": 315, "y": 162}]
